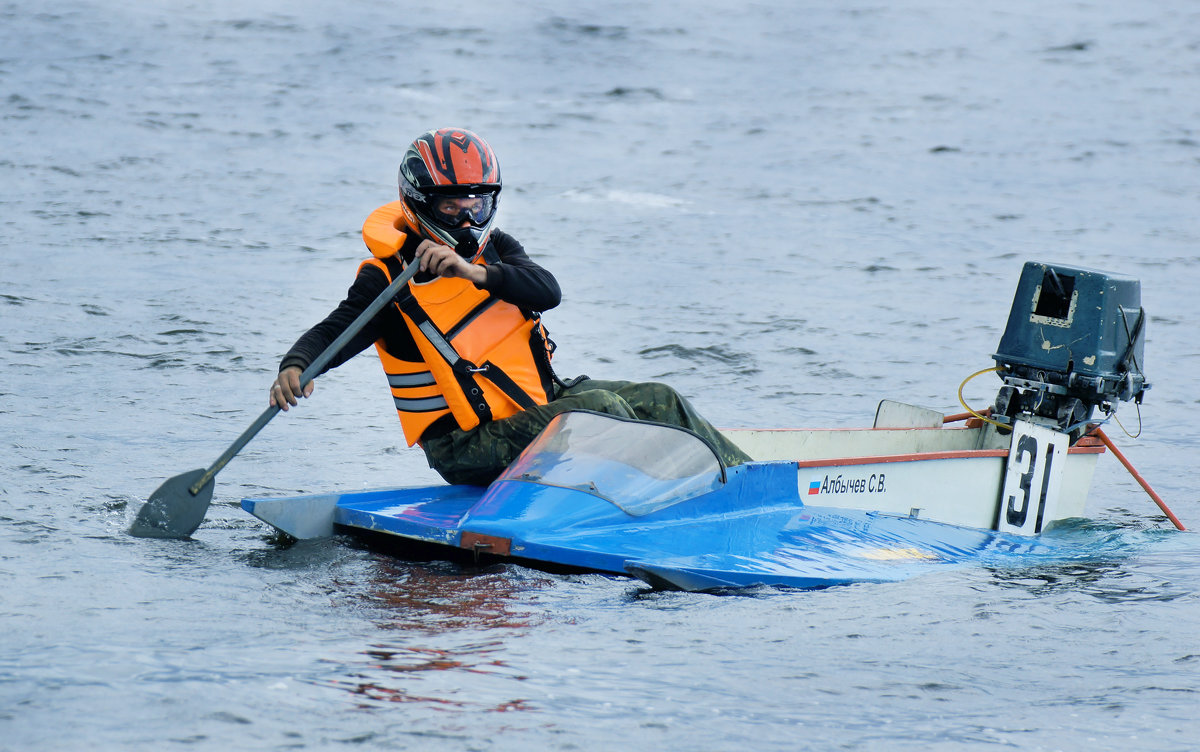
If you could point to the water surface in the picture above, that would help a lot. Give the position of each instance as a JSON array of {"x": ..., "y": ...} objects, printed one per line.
[{"x": 788, "y": 211}]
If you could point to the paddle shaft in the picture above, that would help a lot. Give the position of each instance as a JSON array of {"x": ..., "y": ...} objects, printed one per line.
[{"x": 314, "y": 369}]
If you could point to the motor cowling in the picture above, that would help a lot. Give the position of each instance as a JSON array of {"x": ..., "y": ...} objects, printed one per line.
[{"x": 1073, "y": 342}]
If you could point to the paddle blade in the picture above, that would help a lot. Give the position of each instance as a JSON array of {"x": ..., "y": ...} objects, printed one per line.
[{"x": 173, "y": 511}]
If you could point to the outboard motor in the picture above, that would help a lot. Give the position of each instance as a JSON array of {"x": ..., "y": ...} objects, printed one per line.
[{"x": 1073, "y": 342}]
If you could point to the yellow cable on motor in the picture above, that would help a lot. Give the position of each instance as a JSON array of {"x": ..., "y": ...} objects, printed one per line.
[{"x": 967, "y": 407}]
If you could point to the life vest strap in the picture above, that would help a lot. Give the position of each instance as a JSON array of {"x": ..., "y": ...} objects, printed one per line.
[
  {"x": 464, "y": 369},
  {"x": 440, "y": 343},
  {"x": 460, "y": 367},
  {"x": 494, "y": 374}
]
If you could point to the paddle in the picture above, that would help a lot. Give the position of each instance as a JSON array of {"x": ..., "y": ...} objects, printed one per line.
[{"x": 178, "y": 507}]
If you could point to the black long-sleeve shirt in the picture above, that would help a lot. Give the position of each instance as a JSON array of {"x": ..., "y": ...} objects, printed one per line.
[{"x": 511, "y": 276}]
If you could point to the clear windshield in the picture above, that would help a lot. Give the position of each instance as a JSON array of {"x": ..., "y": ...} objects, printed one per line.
[{"x": 640, "y": 467}]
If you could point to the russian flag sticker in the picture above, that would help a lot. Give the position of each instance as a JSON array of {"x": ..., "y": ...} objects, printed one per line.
[{"x": 814, "y": 488}]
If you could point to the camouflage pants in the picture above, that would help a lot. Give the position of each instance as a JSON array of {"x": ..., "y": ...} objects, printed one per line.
[{"x": 479, "y": 455}]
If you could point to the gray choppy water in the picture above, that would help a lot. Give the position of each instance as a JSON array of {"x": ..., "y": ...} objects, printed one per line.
[{"x": 788, "y": 211}]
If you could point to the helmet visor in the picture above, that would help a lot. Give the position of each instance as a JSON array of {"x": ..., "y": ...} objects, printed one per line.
[{"x": 476, "y": 209}]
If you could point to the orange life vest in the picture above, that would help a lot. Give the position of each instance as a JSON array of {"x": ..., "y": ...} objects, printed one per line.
[{"x": 482, "y": 358}]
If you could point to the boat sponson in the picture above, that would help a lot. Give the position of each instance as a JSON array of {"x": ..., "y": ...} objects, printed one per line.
[{"x": 430, "y": 513}]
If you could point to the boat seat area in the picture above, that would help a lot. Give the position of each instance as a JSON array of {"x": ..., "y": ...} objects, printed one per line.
[{"x": 818, "y": 444}]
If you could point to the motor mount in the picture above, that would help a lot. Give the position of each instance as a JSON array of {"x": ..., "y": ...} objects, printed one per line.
[{"x": 1073, "y": 343}]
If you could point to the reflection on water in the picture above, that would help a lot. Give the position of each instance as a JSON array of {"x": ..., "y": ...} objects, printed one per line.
[
  {"x": 435, "y": 604},
  {"x": 442, "y": 596},
  {"x": 391, "y": 674}
]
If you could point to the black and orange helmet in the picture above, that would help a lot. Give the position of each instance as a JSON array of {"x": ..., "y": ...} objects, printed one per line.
[{"x": 452, "y": 163}]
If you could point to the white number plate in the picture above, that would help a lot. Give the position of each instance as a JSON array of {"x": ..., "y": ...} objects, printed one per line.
[{"x": 1033, "y": 479}]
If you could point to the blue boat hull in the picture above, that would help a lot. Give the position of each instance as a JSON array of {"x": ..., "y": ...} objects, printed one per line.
[
  {"x": 753, "y": 530},
  {"x": 601, "y": 494}
]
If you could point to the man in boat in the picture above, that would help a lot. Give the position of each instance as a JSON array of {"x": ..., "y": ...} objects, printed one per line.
[{"x": 466, "y": 355}]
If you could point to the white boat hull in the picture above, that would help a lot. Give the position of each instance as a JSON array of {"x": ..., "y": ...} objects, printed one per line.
[{"x": 951, "y": 475}]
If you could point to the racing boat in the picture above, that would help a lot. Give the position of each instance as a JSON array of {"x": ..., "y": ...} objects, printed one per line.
[{"x": 816, "y": 507}]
